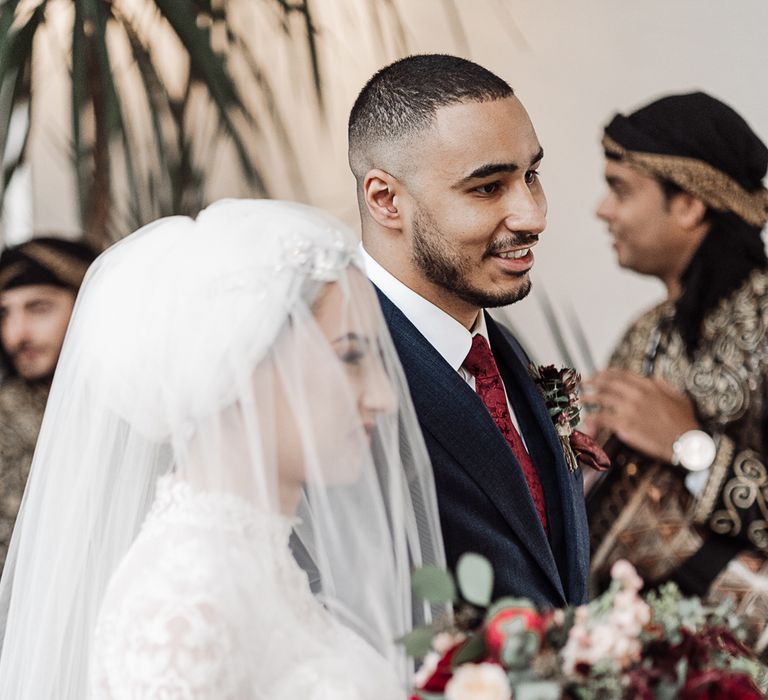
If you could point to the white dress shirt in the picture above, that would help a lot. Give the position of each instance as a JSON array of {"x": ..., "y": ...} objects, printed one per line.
[{"x": 449, "y": 337}]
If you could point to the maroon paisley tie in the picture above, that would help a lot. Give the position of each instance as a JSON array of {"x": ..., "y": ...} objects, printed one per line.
[{"x": 490, "y": 389}]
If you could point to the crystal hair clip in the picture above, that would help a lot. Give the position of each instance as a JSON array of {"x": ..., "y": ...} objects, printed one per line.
[{"x": 319, "y": 261}]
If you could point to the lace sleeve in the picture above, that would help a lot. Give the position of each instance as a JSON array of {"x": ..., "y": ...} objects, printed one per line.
[{"x": 166, "y": 632}]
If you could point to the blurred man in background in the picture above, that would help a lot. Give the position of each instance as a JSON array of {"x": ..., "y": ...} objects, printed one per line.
[
  {"x": 39, "y": 281},
  {"x": 684, "y": 398}
]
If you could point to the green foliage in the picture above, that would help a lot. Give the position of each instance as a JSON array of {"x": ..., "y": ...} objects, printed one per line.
[
  {"x": 418, "y": 641},
  {"x": 674, "y": 612},
  {"x": 475, "y": 578},
  {"x": 434, "y": 585},
  {"x": 538, "y": 690},
  {"x": 472, "y": 651}
]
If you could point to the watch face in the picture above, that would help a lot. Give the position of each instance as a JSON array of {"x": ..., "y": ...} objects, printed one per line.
[{"x": 697, "y": 450}]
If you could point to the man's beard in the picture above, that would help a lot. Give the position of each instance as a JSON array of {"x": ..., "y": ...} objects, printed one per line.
[
  {"x": 433, "y": 256},
  {"x": 10, "y": 366}
]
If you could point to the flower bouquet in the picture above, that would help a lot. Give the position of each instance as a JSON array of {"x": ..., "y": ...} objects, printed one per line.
[{"x": 624, "y": 644}]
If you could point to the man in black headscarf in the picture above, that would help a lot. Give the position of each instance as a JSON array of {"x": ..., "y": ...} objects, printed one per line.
[
  {"x": 39, "y": 280},
  {"x": 684, "y": 398}
]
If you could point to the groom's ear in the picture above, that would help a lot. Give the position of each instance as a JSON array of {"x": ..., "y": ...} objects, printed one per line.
[{"x": 380, "y": 192}]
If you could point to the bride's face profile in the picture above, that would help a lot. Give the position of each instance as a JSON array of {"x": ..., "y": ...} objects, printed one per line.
[{"x": 345, "y": 402}]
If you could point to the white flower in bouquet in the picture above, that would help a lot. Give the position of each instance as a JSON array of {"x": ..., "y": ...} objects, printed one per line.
[{"x": 479, "y": 682}]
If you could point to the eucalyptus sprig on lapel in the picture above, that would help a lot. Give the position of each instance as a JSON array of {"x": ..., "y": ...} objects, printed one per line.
[{"x": 560, "y": 391}]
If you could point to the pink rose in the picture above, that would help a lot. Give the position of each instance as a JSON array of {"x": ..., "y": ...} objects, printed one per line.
[{"x": 626, "y": 574}]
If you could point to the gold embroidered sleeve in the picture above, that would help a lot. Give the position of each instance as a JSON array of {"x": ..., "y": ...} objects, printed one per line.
[
  {"x": 735, "y": 499},
  {"x": 729, "y": 384}
]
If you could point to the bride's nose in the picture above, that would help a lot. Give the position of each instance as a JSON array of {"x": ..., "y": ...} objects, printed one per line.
[{"x": 378, "y": 395}]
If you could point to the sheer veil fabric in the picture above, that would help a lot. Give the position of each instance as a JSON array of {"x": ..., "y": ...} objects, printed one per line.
[{"x": 228, "y": 425}]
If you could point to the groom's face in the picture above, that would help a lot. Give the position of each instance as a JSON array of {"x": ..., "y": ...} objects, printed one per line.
[{"x": 475, "y": 206}]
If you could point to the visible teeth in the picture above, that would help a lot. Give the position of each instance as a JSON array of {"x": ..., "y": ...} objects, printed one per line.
[{"x": 515, "y": 254}]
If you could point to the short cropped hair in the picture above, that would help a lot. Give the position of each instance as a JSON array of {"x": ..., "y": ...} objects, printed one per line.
[{"x": 402, "y": 99}]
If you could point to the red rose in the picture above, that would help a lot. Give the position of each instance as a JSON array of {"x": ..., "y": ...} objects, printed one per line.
[
  {"x": 715, "y": 684},
  {"x": 496, "y": 633}
]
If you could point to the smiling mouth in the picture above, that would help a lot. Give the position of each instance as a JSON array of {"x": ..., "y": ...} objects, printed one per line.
[{"x": 513, "y": 254}]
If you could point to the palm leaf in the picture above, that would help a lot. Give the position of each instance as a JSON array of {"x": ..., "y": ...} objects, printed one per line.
[
  {"x": 15, "y": 58},
  {"x": 209, "y": 67},
  {"x": 272, "y": 108},
  {"x": 311, "y": 37},
  {"x": 79, "y": 84},
  {"x": 159, "y": 103}
]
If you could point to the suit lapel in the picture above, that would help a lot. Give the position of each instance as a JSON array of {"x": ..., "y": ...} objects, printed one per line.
[
  {"x": 563, "y": 482},
  {"x": 455, "y": 416}
]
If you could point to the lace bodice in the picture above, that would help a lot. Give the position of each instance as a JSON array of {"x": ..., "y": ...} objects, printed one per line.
[{"x": 209, "y": 604}]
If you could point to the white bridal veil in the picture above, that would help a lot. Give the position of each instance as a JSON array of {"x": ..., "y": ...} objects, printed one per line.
[{"x": 233, "y": 375}]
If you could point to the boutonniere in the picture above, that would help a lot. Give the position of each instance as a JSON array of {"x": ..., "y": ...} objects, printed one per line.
[{"x": 560, "y": 390}]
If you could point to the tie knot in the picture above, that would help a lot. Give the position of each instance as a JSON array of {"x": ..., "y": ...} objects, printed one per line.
[{"x": 480, "y": 362}]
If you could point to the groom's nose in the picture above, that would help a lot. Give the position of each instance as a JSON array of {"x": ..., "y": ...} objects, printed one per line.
[{"x": 526, "y": 210}]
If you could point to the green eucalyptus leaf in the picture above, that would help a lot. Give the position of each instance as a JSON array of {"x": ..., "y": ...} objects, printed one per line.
[
  {"x": 538, "y": 690},
  {"x": 418, "y": 641},
  {"x": 472, "y": 651},
  {"x": 433, "y": 584},
  {"x": 666, "y": 690},
  {"x": 520, "y": 646},
  {"x": 475, "y": 577}
]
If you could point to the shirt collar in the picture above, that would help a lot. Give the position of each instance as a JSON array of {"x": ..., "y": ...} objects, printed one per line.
[{"x": 443, "y": 332}]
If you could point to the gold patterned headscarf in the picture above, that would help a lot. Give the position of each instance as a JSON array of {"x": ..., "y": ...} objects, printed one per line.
[
  {"x": 45, "y": 261},
  {"x": 702, "y": 146}
]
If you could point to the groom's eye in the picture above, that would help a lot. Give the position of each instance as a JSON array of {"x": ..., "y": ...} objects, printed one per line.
[
  {"x": 488, "y": 188},
  {"x": 532, "y": 176}
]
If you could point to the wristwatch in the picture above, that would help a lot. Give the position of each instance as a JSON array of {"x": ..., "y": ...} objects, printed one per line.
[{"x": 694, "y": 450}]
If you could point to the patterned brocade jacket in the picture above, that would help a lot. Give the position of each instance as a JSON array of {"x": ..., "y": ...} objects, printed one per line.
[
  {"x": 21, "y": 412},
  {"x": 644, "y": 512}
]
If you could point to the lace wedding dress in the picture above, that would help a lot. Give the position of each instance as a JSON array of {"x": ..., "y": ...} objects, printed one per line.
[{"x": 172, "y": 623}]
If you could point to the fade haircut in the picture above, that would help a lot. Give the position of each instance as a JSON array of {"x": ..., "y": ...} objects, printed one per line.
[{"x": 402, "y": 99}]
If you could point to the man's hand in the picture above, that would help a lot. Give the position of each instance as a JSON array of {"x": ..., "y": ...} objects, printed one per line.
[{"x": 645, "y": 413}]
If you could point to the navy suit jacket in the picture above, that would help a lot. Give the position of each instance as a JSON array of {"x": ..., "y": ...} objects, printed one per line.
[{"x": 484, "y": 501}]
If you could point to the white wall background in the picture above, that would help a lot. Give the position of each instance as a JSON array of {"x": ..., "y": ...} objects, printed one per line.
[{"x": 571, "y": 63}]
